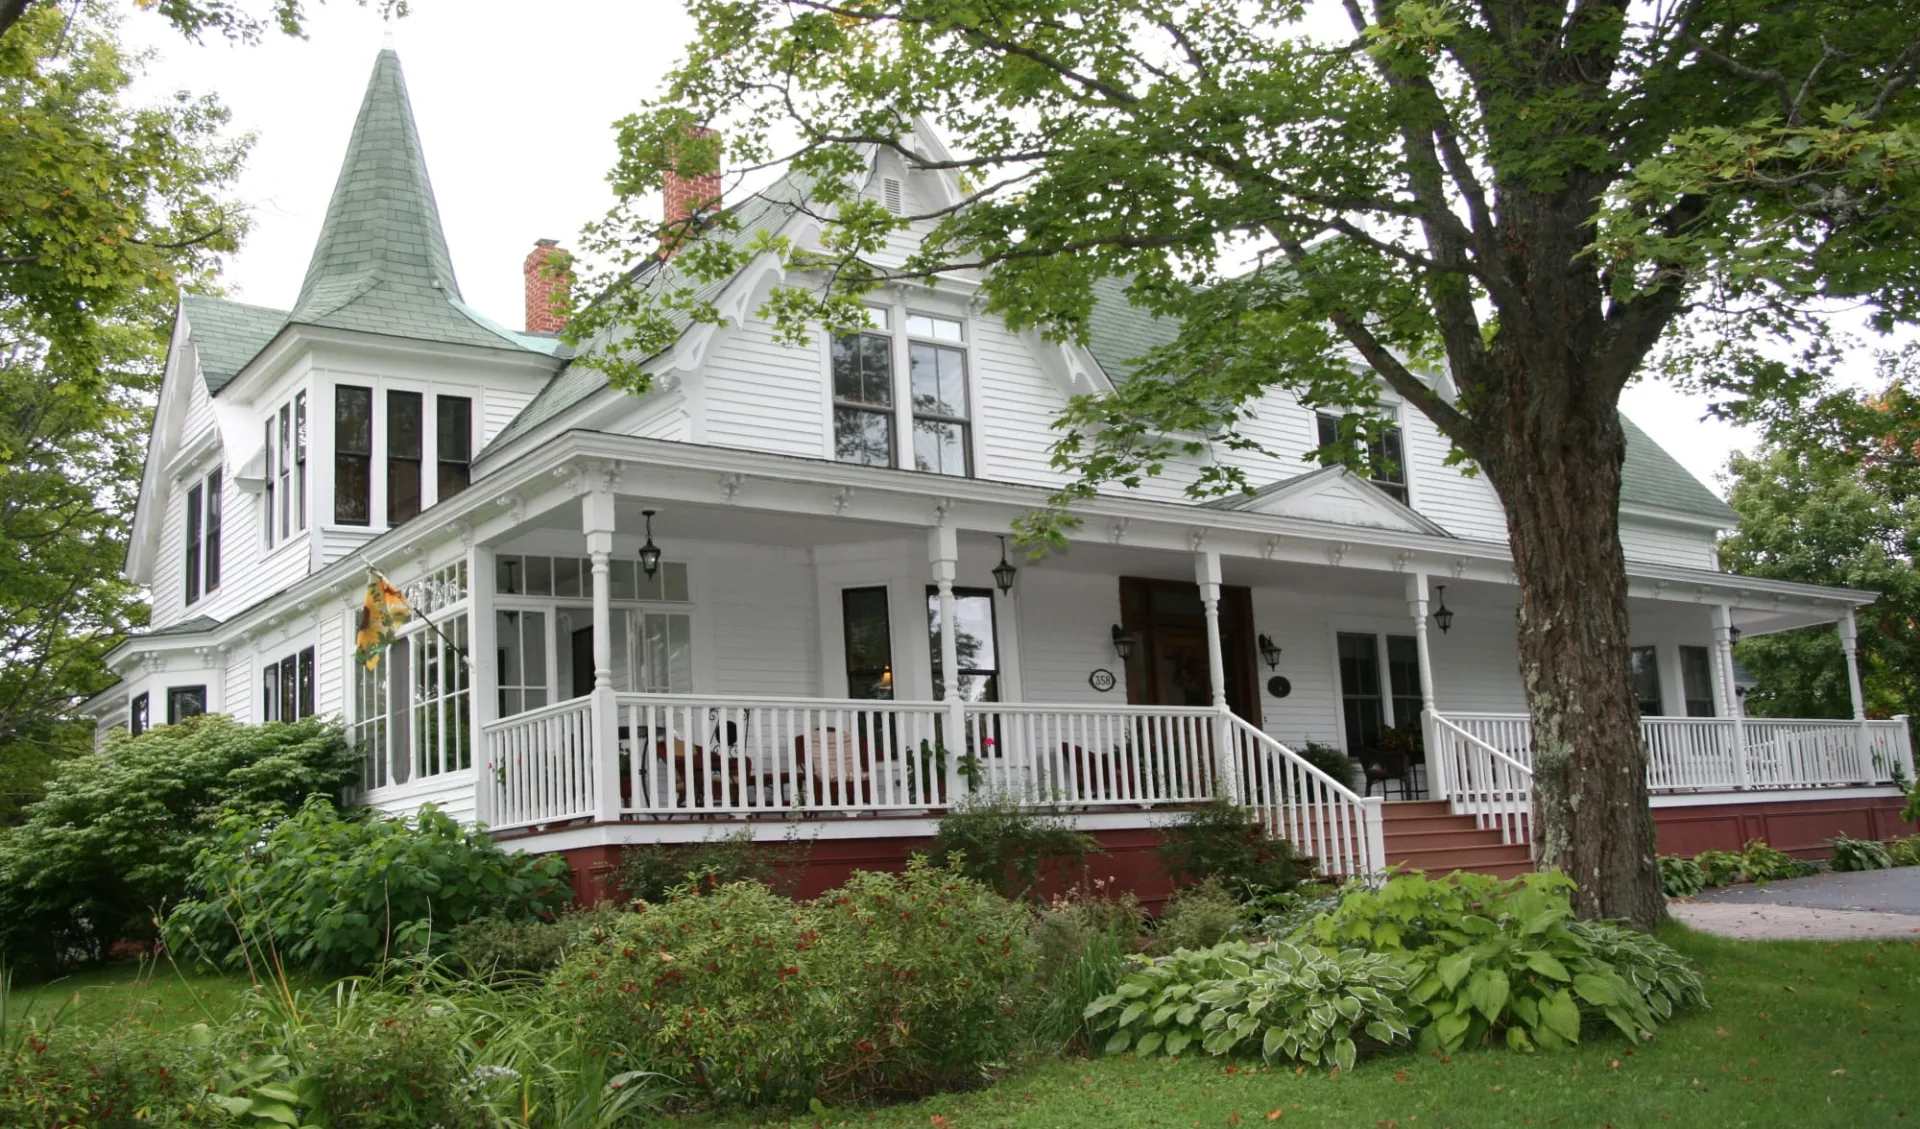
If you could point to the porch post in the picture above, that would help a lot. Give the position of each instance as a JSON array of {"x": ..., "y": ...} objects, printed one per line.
[
  {"x": 1850, "y": 647},
  {"x": 943, "y": 551},
  {"x": 1730, "y": 701},
  {"x": 597, "y": 522},
  {"x": 1417, "y": 605},
  {"x": 1206, "y": 573},
  {"x": 483, "y": 676}
]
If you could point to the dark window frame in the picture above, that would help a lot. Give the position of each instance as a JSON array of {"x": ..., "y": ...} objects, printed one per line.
[
  {"x": 180, "y": 698},
  {"x": 1701, "y": 704},
  {"x": 963, "y": 422},
  {"x": 286, "y": 471},
  {"x": 270, "y": 494},
  {"x": 352, "y": 457},
  {"x": 210, "y": 530},
  {"x": 139, "y": 714},
  {"x": 406, "y": 452},
  {"x": 300, "y": 460},
  {"x": 1386, "y": 462},
  {"x": 992, "y": 673},
  {"x": 455, "y": 466},
  {"x": 1649, "y": 706},
  {"x": 1354, "y": 730},
  {"x": 881, "y": 679},
  {"x": 192, "y": 562}
]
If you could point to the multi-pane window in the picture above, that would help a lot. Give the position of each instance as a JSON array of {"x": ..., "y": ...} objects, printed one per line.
[
  {"x": 521, "y": 660},
  {"x": 139, "y": 715},
  {"x": 352, "y": 455},
  {"x": 1362, "y": 710},
  {"x": 184, "y": 702},
  {"x": 869, "y": 642},
  {"x": 270, "y": 500},
  {"x": 938, "y": 366},
  {"x": 285, "y": 503},
  {"x": 659, "y": 651},
  {"x": 974, "y": 643},
  {"x": 1403, "y": 679},
  {"x": 1696, "y": 681},
  {"x": 1385, "y": 463},
  {"x": 203, "y": 538},
  {"x": 300, "y": 460},
  {"x": 1645, "y": 667},
  {"x": 863, "y": 396},
  {"x": 370, "y": 728},
  {"x": 404, "y": 434},
  {"x": 454, "y": 452},
  {"x": 517, "y": 575},
  {"x": 286, "y": 687},
  {"x": 284, "y": 465},
  {"x": 442, "y": 726}
]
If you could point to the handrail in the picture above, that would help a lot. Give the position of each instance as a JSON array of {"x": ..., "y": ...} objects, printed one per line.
[
  {"x": 1296, "y": 801},
  {"x": 1482, "y": 781}
]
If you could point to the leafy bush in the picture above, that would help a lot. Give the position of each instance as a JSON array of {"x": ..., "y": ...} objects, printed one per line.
[
  {"x": 1066, "y": 924},
  {"x": 1005, "y": 847},
  {"x": 394, "y": 1066},
  {"x": 1911, "y": 812},
  {"x": 117, "y": 835},
  {"x": 1720, "y": 868},
  {"x": 1298, "y": 1001},
  {"x": 123, "y": 1076},
  {"x": 1850, "y": 854},
  {"x": 1333, "y": 761},
  {"x": 341, "y": 893},
  {"x": 1198, "y": 917},
  {"x": 1491, "y": 958},
  {"x": 1905, "y": 852},
  {"x": 1227, "y": 842},
  {"x": 1681, "y": 877},
  {"x": 649, "y": 871},
  {"x": 1761, "y": 863},
  {"x": 891, "y": 985},
  {"x": 492, "y": 947}
]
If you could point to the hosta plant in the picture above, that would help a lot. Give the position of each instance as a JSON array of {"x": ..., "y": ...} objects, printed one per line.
[
  {"x": 1681, "y": 877},
  {"x": 1905, "y": 852},
  {"x": 1859, "y": 854},
  {"x": 1283, "y": 1000}
]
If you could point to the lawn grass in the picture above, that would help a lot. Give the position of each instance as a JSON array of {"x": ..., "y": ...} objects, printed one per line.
[
  {"x": 1800, "y": 1035},
  {"x": 163, "y": 997}
]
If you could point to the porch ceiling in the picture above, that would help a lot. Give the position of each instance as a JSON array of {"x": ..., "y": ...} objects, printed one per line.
[{"x": 732, "y": 524}]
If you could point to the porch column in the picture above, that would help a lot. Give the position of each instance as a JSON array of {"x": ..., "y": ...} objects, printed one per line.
[
  {"x": 596, "y": 509},
  {"x": 943, "y": 552},
  {"x": 1850, "y": 648},
  {"x": 1417, "y": 606},
  {"x": 1730, "y": 701},
  {"x": 1206, "y": 573},
  {"x": 483, "y": 675}
]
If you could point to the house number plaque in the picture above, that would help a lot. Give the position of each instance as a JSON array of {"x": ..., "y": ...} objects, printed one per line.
[{"x": 1101, "y": 680}]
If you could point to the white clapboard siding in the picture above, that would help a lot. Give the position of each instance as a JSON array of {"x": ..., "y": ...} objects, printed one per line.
[
  {"x": 1666, "y": 544},
  {"x": 330, "y": 664},
  {"x": 241, "y": 698},
  {"x": 764, "y": 633},
  {"x": 765, "y": 396},
  {"x": 498, "y": 407}
]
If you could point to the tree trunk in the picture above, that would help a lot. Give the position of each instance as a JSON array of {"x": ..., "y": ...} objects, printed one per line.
[{"x": 1558, "y": 477}]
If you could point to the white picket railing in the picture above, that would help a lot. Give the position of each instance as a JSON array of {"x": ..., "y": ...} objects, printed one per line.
[
  {"x": 683, "y": 753},
  {"x": 539, "y": 767},
  {"x": 1482, "y": 781},
  {"x": 1343, "y": 830},
  {"x": 1092, "y": 756},
  {"x": 1687, "y": 754}
]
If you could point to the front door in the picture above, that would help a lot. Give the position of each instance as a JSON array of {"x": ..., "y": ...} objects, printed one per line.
[{"x": 1169, "y": 666}]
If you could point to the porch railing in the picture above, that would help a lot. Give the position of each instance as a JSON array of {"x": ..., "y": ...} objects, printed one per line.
[
  {"x": 1295, "y": 801},
  {"x": 1091, "y": 756},
  {"x": 1713, "y": 754},
  {"x": 539, "y": 767},
  {"x": 1480, "y": 780}
]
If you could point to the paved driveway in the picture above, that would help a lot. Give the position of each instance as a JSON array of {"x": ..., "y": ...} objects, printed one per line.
[{"x": 1862, "y": 906}]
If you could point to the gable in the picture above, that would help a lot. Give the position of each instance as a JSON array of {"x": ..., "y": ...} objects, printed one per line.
[{"x": 1336, "y": 496}]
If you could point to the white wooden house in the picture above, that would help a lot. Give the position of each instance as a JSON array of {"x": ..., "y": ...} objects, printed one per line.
[{"x": 816, "y": 571}]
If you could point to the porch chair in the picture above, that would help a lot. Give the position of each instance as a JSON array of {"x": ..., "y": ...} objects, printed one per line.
[
  {"x": 839, "y": 766},
  {"x": 1384, "y": 768}
]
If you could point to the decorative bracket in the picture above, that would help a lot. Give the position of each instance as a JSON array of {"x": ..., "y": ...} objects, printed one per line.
[
  {"x": 1459, "y": 567},
  {"x": 515, "y": 505},
  {"x": 1337, "y": 552},
  {"x": 1117, "y": 532},
  {"x": 464, "y": 531},
  {"x": 841, "y": 497},
  {"x": 1269, "y": 547},
  {"x": 941, "y": 508},
  {"x": 1401, "y": 559},
  {"x": 731, "y": 483},
  {"x": 1196, "y": 539}
]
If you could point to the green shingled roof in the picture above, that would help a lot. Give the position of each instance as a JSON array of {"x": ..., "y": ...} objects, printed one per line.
[
  {"x": 227, "y": 335},
  {"x": 767, "y": 209},
  {"x": 381, "y": 264},
  {"x": 194, "y": 626}
]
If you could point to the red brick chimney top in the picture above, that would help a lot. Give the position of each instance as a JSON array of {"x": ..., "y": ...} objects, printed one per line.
[
  {"x": 685, "y": 197},
  {"x": 547, "y": 287}
]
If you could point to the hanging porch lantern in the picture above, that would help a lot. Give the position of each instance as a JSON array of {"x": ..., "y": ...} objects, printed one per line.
[
  {"x": 1442, "y": 615},
  {"x": 1003, "y": 572},
  {"x": 649, "y": 552},
  {"x": 1270, "y": 651}
]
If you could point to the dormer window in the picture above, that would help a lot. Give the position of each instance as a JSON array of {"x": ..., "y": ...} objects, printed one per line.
[
  {"x": 413, "y": 441},
  {"x": 875, "y": 397},
  {"x": 1385, "y": 455}
]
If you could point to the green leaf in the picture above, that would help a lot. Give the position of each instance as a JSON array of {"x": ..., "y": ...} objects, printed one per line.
[
  {"x": 1488, "y": 992},
  {"x": 1560, "y": 1015},
  {"x": 1546, "y": 964},
  {"x": 1594, "y": 989},
  {"x": 1454, "y": 969},
  {"x": 1149, "y": 1043},
  {"x": 1119, "y": 1041},
  {"x": 1345, "y": 1053}
]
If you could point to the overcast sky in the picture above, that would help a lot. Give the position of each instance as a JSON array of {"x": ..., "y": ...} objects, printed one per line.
[{"x": 515, "y": 104}]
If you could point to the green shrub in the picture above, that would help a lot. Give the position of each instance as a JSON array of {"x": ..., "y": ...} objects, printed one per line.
[
  {"x": 1288, "y": 1001},
  {"x": 1491, "y": 958},
  {"x": 1079, "y": 940},
  {"x": 1007, "y": 848},
  {"x": 1198, "y": 917},
  {"x": 493, "y": 946},
  {"x": 338, "y": 893},
  {"x": 1905, "y": 852},
  {"x": 1763, "y": 864},
  {"x": 1227, "y": 842},
  {"x": 1720, "y": 868},
  {"x": 1333, "y": 761},
  {"x": 116, "y": 837},
  {"x": 1911, "y": 812},
  {"x": 120, "y": 1076},
  {"x": 648, "y": 871},
  {"x": 1850, "y": 854},
  {"x": 398, "y": 1067},
  {"x": 1680, "y": 877},
  {"x": 889, "y": 986}
]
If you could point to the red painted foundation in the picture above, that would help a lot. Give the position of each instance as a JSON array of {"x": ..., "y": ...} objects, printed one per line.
[{"x": 1799, "y": 827}]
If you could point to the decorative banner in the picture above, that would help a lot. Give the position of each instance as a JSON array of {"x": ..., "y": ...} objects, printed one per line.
[{"x": 385, "y": 610}]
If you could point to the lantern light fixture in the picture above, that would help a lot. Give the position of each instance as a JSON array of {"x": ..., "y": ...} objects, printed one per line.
[
  {"x": 1270, "y": 651},
  {"x": 1003, "y": 573},
  {"x": 1733, "y": 634},
  {"x": 1122, "y": 643},
  {"x": 649, "y": 552},
  {"x": 1443, "y": 615}
]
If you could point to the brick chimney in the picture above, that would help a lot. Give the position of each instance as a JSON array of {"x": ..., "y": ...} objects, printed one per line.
[
  {"x": 685, "y": 197},
  {"x": 547, "y": 287}
]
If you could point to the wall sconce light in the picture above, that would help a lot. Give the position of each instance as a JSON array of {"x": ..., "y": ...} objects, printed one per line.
[
  {"x": 1733, "y": 634},
  {"x": 1122, "y": 643},
  {"x": 1442, "y": 615},
  {"x": 649, "y": 552},
  {"x": 1270, "y": 651},
  {"x": 1003, "y": 572}
]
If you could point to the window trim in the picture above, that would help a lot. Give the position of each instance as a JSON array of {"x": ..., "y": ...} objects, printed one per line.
[
  {"x": 397, "y": 462},
  {"x": 891, "y": 320},
  {"x": 440, "y": 460},
  {"x": 915, "y": 415},
  {"x": 1659, "y": 681},
  {"x": 1397, "y": 433},
  {"x": 995, "y": 674},
  {"x": 287, "y": 686},
  {"x": 192, "y": 536},
  {"x": 889, "y": 411},
  {"x": 342, "y": 456},
  {"x": 202, "y": 511},
  {"x": 174, "y": 695},
  {"x": 139, "y": 714},
  {"x": 889, "y": 674}
]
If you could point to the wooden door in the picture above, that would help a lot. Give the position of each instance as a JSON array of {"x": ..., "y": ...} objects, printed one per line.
[{"x": 1170, "y": 664}]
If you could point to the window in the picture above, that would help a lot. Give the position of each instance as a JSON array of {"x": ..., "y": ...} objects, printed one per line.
[
  {"x": 939, "y": 377},
  {"x": 974, "y": 639},
  {"x": 403, "y": 456},
  {"x": 1361, "y": 707},
  {"x": 203, "y": 538},
  {"x": 285, "y": 465},
  {"x": 138, "y": 715},
  {"x": 454, "y": 452},
  {"x": 1646, "y": 679},
  {"x": 369, "y": 730},
  {"x": 659, "y": 651},
  {"x": 441, "y": 738},
  {"x": 521, "y": 660},
  {"x": 1696, "y": 681},
  {"x": 517, "y": 575},
  {"x": 300, "y": 460},
  {"x": 869, "y": 642},
  {"x": 195, "y": 501},
  {"x": 184, "y": 702},
  {"x": 353, "y": 455},
  {"x": 1384, "y": 455},
  {"x": 286, "y": 688},
  {"x": 863, "y": 396},
  {"x": 1403, "y": 679},
  {"x": 269, "y": 500}
]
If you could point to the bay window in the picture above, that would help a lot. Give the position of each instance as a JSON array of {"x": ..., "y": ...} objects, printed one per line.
[
  {"x": 286, "y": 687},
  {"x": 352, "y": 455},
  {"x": 411, "y": 714},
  {"x": 184, "y": 702}
]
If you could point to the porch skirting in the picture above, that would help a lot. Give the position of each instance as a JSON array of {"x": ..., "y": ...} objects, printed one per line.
[{"x": 1799, "y": 826}]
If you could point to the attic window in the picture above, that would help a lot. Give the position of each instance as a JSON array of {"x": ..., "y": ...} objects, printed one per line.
[
  {"x": 890, "y": 193},
  {"x": 1385, "y": 464}
]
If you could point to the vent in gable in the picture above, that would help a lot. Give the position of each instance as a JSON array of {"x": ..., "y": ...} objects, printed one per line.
[{"x": 890, "y": 193}]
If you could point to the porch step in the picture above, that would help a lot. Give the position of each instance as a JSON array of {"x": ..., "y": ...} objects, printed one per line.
[{"x": 1426, "y": 835}]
